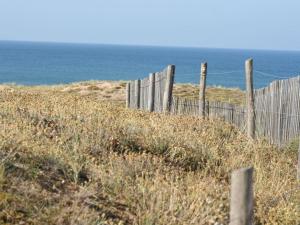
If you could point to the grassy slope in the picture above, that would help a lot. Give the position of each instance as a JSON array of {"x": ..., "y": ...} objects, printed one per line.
[
  {"x": 231, "y": 95},
  {"x": 68, "y": 158},
  {"x": 108, "y": 90}
]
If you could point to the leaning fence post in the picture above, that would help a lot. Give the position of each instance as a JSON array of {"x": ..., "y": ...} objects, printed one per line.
[
  {"x": 137, "y": 93},
  {"x": 241, "y": 202},
  {"x": 168, "y": 89},
  {"x": 128, "y": 95},
  {"x": 202, "y": 89},
  {"x": 250, "y": 98},
  {"x": 151, "y": 92}
]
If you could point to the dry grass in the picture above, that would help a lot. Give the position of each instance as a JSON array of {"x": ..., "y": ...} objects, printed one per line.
[
  {"x": 221, "y": 94},
  {"x": 68, "y": 158},
  {"x": 103, "y": 90},
  {"x": 115, "y": 91}
]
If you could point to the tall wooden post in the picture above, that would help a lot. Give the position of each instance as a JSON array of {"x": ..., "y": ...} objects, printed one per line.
[
  {"x": 202, "y": 89},
  {"x": 168, "y": 89},
  {"x": 250, "y": 99},
  {"x": 241, "y": 202},
  {"x": 128, "y": 95},
  {"x": 137, "y": 93},
  {"x": 151, "y": 92}
]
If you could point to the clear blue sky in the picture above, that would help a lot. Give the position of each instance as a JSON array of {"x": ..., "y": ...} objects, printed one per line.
[{"x": 258, "y": 24}]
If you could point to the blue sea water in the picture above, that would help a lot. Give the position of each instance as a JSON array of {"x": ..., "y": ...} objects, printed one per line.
[{"x": 32, "y": 63}]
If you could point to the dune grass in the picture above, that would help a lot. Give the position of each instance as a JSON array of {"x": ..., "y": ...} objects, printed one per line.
[
  {"x": 115, "y": 91},
  {"x": 69, "y": 158},
  {"x": 221, "y": 94}
]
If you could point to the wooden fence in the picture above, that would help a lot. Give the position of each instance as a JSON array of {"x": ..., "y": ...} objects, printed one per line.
[
  {"x": 228, "y": 112},
  {"x": 153, "y": 93},
  {"x": 276, "y": 109}
]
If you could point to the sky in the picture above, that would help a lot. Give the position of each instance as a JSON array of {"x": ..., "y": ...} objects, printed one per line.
[{"x": 252, "y": 24}]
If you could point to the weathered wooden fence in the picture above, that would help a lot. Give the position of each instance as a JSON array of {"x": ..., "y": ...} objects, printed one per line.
[
  {"x": 228, "y": 112},
  {"x": 153, "y": 93},
  {"x": 276, "y": 108}
]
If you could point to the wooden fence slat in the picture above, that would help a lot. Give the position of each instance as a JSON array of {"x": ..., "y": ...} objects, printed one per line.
[
  {"x": 298, "y": 169},
  {"x": 168, "y": 91},
  {"x": 137, "y": 93},
  {"x": 202, "y": 89},
  {"x": 128, "y": 95},
  {"x": 151, "y": 96}
]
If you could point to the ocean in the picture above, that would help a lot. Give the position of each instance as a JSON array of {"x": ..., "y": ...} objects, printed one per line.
[{"x": 34, "y": 63}]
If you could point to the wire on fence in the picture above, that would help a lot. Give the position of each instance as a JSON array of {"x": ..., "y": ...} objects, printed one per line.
[
  {"x": 274, "y": 117},
  {"x": 272, "y": 112},
  {"x": 215, "y": 73},
  {"x": 270, "y": 75}
]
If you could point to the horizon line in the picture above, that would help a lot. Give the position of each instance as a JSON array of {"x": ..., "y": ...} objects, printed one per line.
[{"x": 147, "y": 45}]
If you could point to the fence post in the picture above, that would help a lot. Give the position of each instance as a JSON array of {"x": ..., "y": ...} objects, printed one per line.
[
  {"x": 168, "y": 89},
  {"x": 250, "y": 98},
  {"x": 128, "y": 95},
  {"x": 137, "y": 92},
  {"x": 202, "y": 89},
  {"x": 241, "y": 202},
  {"x": 151, "y": 92}
]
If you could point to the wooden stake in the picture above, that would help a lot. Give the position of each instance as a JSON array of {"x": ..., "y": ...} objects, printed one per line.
[
  {"x": 128, "y": 95},
  {"x": 250, "y": 99},
  {"x": 241, "y": 202},
  {"x": 168, "y": 89},
  {"x": 137, "y": 93},
  {"x": 151, "y": 94},
  {"x": 202, "y": 89}
]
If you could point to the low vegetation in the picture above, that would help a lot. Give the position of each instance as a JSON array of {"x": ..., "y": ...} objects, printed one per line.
[
  {"x": 115, "y": 91},
  {"x": 221, "y": 94},
  {"x": 68, "y": 157}
]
